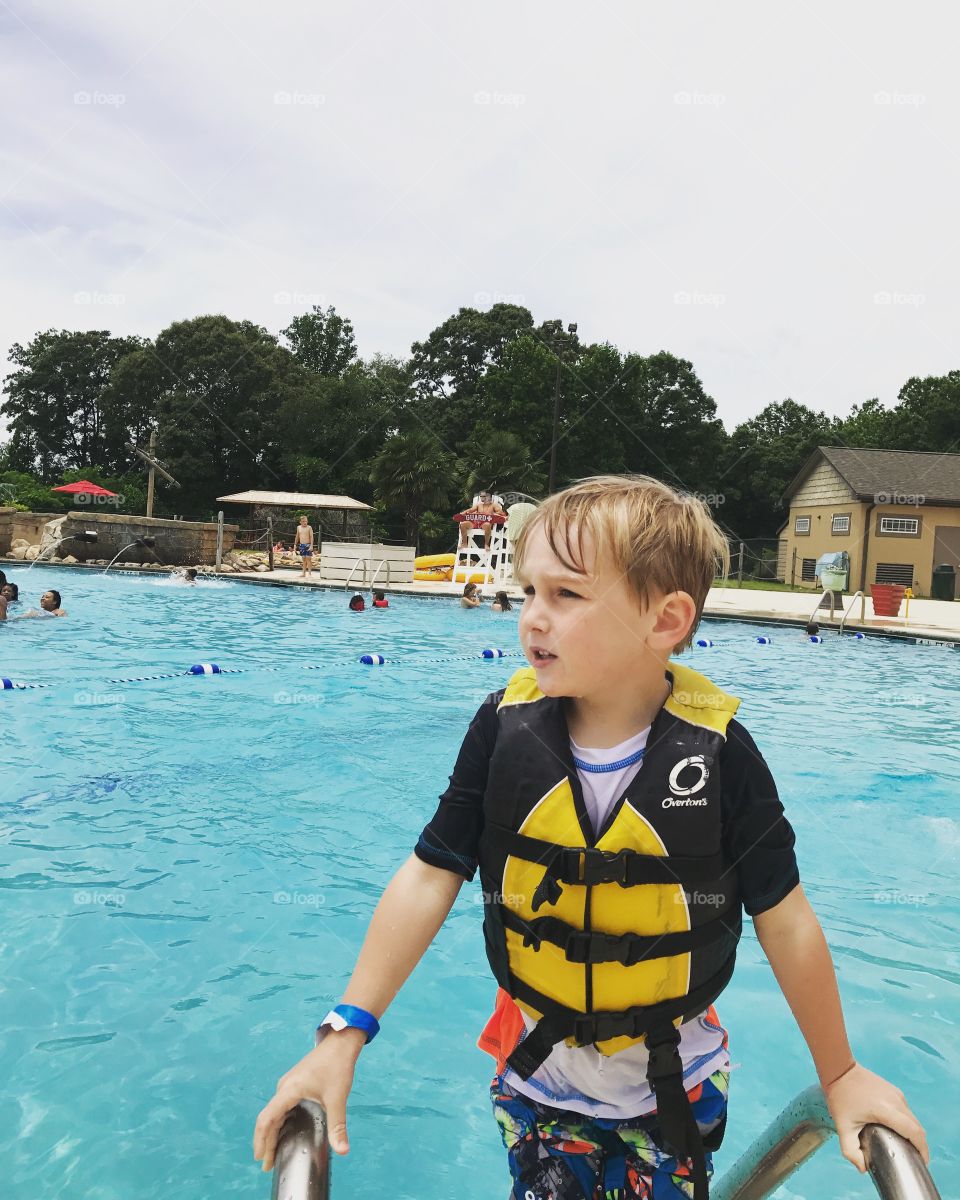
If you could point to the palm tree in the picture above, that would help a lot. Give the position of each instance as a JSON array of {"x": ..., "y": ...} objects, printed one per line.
[
  {"x": 499, "y": 460},
  {"x": 413, "y": 473}
]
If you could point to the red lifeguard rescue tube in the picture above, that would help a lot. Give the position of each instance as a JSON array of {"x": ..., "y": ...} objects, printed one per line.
[{"x": 478, "y": 520}]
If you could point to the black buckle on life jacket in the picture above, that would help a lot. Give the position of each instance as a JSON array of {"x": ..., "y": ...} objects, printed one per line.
[
  {"x": 601, "y": 1027},
  {"x": 603, "y": 866}
]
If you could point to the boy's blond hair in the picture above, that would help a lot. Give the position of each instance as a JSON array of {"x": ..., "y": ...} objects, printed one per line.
[{"x": 660, "y": 539}]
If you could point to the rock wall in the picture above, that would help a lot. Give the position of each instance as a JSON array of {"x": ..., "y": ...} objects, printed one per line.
[{"x": 184, "y": 543}]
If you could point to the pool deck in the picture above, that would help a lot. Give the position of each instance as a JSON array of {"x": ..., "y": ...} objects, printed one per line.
[{"x": 935, "y": 621}]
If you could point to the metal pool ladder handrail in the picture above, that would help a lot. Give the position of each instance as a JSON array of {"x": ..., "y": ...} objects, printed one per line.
[
  {"x": 898, "y": 1171},
  {"x": 302, "y": 1167},
  {"x": 863, "y": 608},
  {"x": 825, "y": 592},
  {"x": 361, "y": 562},
  {"x": 384, "y": 562}
]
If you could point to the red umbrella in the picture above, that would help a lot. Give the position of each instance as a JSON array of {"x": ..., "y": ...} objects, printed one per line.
[{"x": 83, "y": 487}]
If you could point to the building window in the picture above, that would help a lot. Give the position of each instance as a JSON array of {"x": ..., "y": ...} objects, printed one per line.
[
  {"x": 907, "y": 525},
  {"x": 901, "y": 573},
  {"x": 808, "y": 569},
  {"x": 841, "y": 523},
  {"x": 801, "y": 525}
]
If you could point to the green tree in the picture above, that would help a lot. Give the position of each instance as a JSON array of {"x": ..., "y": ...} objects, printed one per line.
[
  {"x": 763, "y": 456},
  {"x": 411, "y": 474},
  {"x": 499, "y": 461},
  {"x": 927, "y": 416},
  {"x": 331, "y": 430},
  {"x": 216, "y": 387},
  {"x": 449, "y": 366},
  {"x": 322, "y": 341},
  {"x": 57, "y": 401},
  {"x": 871, "y": 426}
]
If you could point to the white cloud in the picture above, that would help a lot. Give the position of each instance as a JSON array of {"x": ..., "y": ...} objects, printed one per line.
[{"x": 737, "y": 185}]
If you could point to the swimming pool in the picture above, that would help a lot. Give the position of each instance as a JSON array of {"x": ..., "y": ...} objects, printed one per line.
[{"x": 189, "y": 866}]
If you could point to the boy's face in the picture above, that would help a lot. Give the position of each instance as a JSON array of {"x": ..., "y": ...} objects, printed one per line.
[{"x": 595, "y": 636}]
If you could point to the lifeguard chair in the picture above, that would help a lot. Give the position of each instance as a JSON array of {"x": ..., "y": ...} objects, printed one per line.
[{"x": 490, "y": 569}]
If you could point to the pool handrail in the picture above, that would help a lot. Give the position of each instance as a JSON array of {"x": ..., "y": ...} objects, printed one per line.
[
  {"x": 798, "y": 1132},
  {"x": 302, "y": 1167},
  {"x": 301, "y": 1170},
  {"x": 825, "y": 592},
  {"x": 863, "y": 608},
  {"x": 361, "y": 562},
  {"x": 384, "y": 562}
]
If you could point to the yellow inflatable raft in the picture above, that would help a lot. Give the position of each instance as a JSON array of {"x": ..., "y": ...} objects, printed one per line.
[{"x": 438, "y": 568}]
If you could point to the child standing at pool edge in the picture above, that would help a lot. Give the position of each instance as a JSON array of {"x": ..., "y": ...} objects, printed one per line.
[{"x": 620, "y": 817}]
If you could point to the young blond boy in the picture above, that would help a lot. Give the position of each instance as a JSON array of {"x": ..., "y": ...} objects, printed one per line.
[{"x": 620, "y": 817}]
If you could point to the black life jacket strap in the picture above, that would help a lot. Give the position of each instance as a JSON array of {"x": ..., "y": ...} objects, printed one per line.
[
  {"x": 678, "y": 1126},
  {"x": 583, "y": 946},
  {"x": 589, "y": 865},
  {"x": 654, "y": 1023},
  {"x": 559, "y": 1022}
]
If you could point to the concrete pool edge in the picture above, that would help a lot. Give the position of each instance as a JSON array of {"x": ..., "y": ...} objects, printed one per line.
[{"x": 916, "y": 634}]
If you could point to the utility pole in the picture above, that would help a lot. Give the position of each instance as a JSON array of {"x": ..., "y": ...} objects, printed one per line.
[
  {"x": 151, "y": 474},
  {"x": 556, "y": 328},
  {"x": 154, "y": 468}
]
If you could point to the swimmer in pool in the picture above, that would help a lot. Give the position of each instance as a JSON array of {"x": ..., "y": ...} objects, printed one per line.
[
  {"x": 10, "y": 593},
  {"x": 49, "y": 607}
]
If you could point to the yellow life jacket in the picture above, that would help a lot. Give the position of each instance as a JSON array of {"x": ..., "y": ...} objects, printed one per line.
[{"x": 615, "y": 938}]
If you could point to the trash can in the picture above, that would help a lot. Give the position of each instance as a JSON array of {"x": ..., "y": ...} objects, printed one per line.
[
  {"x": 887, "y": 598},
  {"x": 834, "y": 578},
  {"x": 944, "y": 583}
]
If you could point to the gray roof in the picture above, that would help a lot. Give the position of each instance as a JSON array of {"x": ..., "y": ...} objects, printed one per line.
[{"x": 933, "y": 477}]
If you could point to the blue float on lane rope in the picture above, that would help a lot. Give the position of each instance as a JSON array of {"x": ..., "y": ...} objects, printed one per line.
[
  {"x": 491, "y": 652},
  {"x": 704, "y": 642},
  {"x": 372, "y": 660},
  {"x": 764, "y": 641},
  {"x": 7, "y": 685},
  {"x": 204, "y": 669}
]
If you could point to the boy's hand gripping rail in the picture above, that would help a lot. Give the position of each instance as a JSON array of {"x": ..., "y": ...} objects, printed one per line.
[
  {"x": 302, "y": 1167},
  {"x": 898, "y": 1171}
]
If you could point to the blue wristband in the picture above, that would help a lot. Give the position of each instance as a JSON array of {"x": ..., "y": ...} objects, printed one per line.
[{"x": 349, "y": 1016}]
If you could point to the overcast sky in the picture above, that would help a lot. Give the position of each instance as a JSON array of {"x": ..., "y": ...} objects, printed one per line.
[{"x": 767, "y": 189}]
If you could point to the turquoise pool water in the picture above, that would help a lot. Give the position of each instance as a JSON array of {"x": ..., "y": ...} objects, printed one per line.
[{"x": 188, "y": 867}]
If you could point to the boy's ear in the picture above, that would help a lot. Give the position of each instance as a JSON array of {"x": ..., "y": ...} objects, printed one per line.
[{"x": 676, "y": 613}]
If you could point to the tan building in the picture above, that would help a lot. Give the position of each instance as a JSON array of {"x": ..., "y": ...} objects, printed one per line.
[{"x": 895, "y": 512}]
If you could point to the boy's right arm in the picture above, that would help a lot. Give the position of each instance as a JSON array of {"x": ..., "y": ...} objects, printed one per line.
[{"x": 410, "y": 912}]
